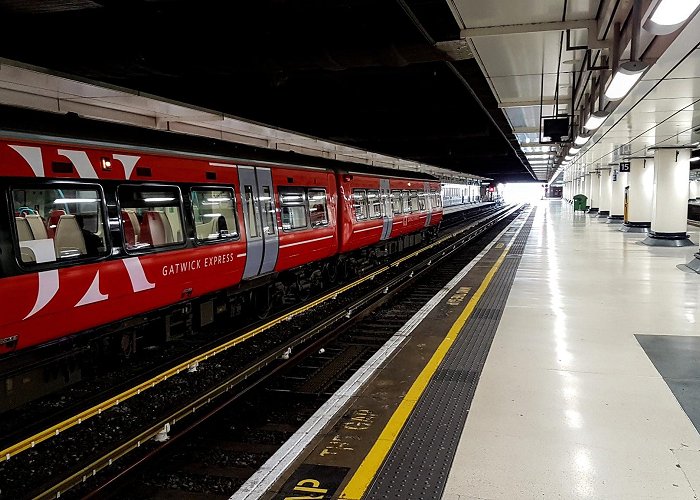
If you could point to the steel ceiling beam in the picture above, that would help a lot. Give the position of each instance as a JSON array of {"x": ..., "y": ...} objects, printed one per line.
[
  {"x": 547, "y": 101},
  {"x": 514, "y": 29}
]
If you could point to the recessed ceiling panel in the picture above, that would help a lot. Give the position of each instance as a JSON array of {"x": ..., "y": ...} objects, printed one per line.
[
  {"x": 481, "y": 13},
  {"x": 521, "y": 54},
  {"x": 523, "y": 87}
]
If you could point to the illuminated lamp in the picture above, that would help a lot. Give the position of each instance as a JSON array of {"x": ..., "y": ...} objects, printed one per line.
[
  {"x": 581, "y": 140},
  {"x": 668, "y": 15},
  {"x": 595, "y": 120},
  {"x": 626, "y": 76}
]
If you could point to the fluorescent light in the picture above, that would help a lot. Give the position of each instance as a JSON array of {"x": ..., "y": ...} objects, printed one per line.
[
  {"x": 668, "y": 15},
  {"x": 573, "y": 150},
  {"x": 157, "y": 200},
  {"x": 696, "y": 158},
  {"x": 581, "y": 140},
  {"x": 595, "y": 120},
  {"x": 59, "y": 201},
  {"x": 568, "y": 157},
  {"x": 626, "y": 76}
]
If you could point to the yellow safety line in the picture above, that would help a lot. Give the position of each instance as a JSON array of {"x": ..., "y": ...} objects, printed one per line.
[
  {"x": 55, "y": 430},
  {"x": 364, "y": 474}
]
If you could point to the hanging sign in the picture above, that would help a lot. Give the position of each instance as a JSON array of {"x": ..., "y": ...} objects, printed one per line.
[{"x": 625, "y": 166}]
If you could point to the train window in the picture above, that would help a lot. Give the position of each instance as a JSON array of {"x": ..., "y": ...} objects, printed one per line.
[
  {"x": 422, "y": 201},
  {"x": 251, "y": 212},
  {"x": 396, "y": 201},
  {"x": 317, "y": 207},
  {"x": 413, "y": 201},
  {"x": 59, "y": 223},
  {"x": 375, "y": 206},
  {"x": 269, "y": 219},
  {"x": 293, "y": 202},
  {"x": 405, "y": 197},
  {"x": 214, "y": 212},
  {"x": 359, "y": 203},
  {"x": 437, "y": 200},
  {"x": 385, "y": 204},
  {"x": 151, "y": 216}
]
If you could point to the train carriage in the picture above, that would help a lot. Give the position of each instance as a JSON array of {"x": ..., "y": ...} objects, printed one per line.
[
  {"x": 95, "y": 235},
  {"x": 379, "y": 208}
]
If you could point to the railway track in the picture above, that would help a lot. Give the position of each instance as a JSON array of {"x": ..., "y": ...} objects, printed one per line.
[
  {"x": 79, "y": 380},
  {"x": 218, "y": 457},
  {"x": 221, "y": 380}
]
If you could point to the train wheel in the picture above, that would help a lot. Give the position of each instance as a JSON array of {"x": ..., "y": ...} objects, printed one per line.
[
  {"x": 330, "y": 272},
  {"x": 303, "y": 288},
  {"x": 344, "y": 269},
  {"x": 127, "y": 344},
  {"x": 262, "y": 302}
]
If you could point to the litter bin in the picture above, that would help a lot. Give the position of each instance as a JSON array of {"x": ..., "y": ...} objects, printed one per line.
[{"x": 580, "y": 202}]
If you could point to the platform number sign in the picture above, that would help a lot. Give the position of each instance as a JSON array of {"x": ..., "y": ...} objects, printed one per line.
[{"x": 624, "y": 166}]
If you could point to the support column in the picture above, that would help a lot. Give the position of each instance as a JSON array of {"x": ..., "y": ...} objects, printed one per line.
[
  {"x": 595, "y": 192},
  {"x": 587, "y": 189},
  {"x": 617, "y": 196},
  {"x": 669, "y": 214},
  {"x": 640, "y": 195},
  {"x": 605, "y": 191}
]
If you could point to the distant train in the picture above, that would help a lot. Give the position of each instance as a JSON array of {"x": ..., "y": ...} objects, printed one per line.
[
  {"x": 99, "y": 237},
  {"x": 461, "y": 194}
]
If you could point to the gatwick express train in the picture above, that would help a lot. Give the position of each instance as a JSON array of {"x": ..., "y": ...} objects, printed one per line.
[{"x": 98, "y": 237}]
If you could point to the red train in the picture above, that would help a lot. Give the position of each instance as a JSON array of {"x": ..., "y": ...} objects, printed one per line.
[{"x": 97, "y": 236}]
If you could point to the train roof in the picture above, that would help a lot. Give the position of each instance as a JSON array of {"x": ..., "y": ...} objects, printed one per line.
[{"x": 39, "y": 125}]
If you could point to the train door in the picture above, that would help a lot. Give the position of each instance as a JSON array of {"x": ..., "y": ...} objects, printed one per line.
[
  {"x": 428, "y": 203},
  {"x": 260, "y": 220},
  {"x": 387, "y": 211}
]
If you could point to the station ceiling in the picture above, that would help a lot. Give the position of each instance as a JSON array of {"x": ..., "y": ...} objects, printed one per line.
[
  {"x": 441, "y": 86},
  {"x": 389, "y": 76}
]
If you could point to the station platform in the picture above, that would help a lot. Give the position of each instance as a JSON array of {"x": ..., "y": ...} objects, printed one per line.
[
  {"x": 465, "y": 206},
  {"x": 563, "y": 362}
]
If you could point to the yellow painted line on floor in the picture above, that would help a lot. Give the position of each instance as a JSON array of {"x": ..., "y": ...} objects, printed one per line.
[{"x": 365, "y": 473}]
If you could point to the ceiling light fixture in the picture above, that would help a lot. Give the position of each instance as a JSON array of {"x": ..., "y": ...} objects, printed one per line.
[
  {"x": 568, "y": 157},
  {"x": 573, "y": 150},
  {"x": 595, "y": 120},
  {"x": 581, "y": 140},
  {"x": 626, "y": 76},
  {"x": 668, "y": 15}
]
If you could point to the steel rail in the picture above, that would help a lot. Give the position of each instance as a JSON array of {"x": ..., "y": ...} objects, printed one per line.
[
  {"x": 345, "y": 316},
  {"x": 95, "y": 410}
]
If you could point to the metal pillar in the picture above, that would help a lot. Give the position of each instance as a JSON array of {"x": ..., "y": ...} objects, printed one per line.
[
  {"x": 618, "y": 183},
  {"x": 595, "y": 192},
  {"x": 670, "y": 206},
  {"x": 639, "y": 196},
  {"x": 605, "y": 192}
]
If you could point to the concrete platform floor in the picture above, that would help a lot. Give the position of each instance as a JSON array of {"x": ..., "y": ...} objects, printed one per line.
[{"x": 569, "y": 404}]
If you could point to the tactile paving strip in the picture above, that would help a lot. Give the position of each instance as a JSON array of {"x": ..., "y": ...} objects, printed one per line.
[{"x": 421, "y": 458}]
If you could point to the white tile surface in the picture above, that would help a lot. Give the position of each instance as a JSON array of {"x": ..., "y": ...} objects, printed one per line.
[{"x": 569, "y": 405}]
